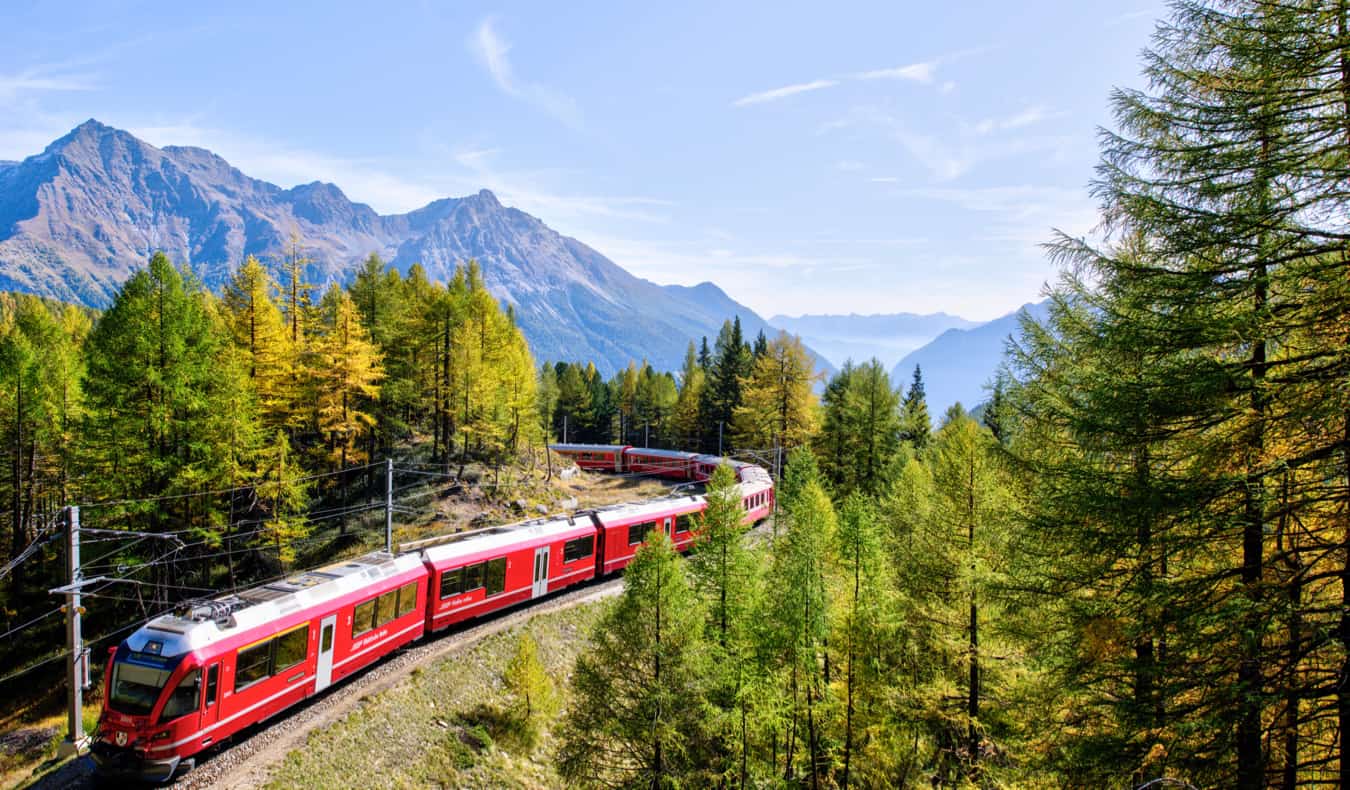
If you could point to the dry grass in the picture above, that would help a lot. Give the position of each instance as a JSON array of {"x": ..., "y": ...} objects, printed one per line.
[{"x": 440, "y": 727}]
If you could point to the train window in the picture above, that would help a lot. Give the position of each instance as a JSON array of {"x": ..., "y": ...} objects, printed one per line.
[
  {"x": 450, "y": 583},
  {"x": 578, "y": 548},
  {"x": 388, "y": 605},
  {"x": 638, "y": 532},
  {"x": 291, "y": 649},
  {"x": 252, "y": 665},
  {"x": 185, "y": 697},
  {"x": 473, "y": 577},
  {"x": 682, "y": 523},
  {"x": 212, "y": 676},
  {"x": 364, "y": 618},
  {"x": 407, "y": 598},
  {"x": 495, "y": 580}
]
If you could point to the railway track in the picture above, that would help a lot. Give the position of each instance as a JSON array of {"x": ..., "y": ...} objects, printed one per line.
[{"x": 244, "y": 761}]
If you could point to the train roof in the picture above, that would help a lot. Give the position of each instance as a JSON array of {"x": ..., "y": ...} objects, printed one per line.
[
  {"x": 587, "y": 448},
  {"x": 627, "y": 510},
  {"x": 655, "y": 453},
  {"x": 196, "y": 624},
  {"x": 488, "y": 539}
]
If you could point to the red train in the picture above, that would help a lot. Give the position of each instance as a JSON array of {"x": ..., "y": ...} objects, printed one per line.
[{"x": 186, "y": 681}]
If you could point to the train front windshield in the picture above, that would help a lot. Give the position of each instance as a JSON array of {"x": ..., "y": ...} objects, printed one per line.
[{"x": 137, "y": 684}]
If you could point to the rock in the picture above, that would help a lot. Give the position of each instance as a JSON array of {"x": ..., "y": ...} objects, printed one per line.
[
  {"x": 568, "y": 504},
  {"x": 542, "y": 509},
  {"x": 520, "y": 504},
  {"x": 569, "y": 473}
]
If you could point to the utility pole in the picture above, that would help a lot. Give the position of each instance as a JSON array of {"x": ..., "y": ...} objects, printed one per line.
[
  {"x": 564, "y": 429},
  {"x": 719, "y": 437},
  {"x": 646, "y": 434},
  {"x": 389, "y": 505},
  {"x": 77, "y": 666},
  {"x": 77, "y": 669}
]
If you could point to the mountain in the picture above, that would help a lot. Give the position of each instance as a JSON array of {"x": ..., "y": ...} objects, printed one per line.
[
  {"x": 959, "y": 362},
  {"x": 888, "y": 337},
  {"x": 77, "y": 219}
]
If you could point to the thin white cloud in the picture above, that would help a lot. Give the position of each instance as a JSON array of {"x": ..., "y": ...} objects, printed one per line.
[
  {"x": 783, "y": 92},
  {"x": 915, "y": 72},
  {"x": 41, "y": 80},
  {"x": 1027, "y": 117},
  {"x": 883, "y": 179},
  {"x": 492, "y": 51}
]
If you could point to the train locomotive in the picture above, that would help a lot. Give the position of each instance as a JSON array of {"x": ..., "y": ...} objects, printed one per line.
[{"x": 190, "y": 679}]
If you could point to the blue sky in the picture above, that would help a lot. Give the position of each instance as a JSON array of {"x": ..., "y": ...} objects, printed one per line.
[{"x": 807, "y": 157}]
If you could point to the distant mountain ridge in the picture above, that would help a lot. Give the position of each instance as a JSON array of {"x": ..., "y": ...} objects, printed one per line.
[
  {"x": 77, "y": 219},
  {"x": 958, "y": 363},
  {"x": 886, "y": 336}
]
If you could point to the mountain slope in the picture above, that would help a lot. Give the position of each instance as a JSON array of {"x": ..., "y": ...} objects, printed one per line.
[
  {"x": 78, "y": 218},
  {"x": 888, "y": 337},
  {"x": 958, "y": 363}
]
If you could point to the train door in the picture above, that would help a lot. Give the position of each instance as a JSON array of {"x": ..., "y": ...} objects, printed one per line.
[
  {"x": 323, "y": 673},
  {"x": 210, "y": 708},
  {"x": 540, "y": 572},
  {"x": 666, "y": 527}
]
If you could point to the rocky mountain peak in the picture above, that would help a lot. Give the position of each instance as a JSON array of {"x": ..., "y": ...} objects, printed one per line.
[{"x": 75, "y": 225}]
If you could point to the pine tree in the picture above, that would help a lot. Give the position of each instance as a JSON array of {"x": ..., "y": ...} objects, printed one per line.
[
  {"x": 778, "y": 407},
  {"x": 257, "y": 327},
  {"x": 349, "y": 371},
  {"x": 862, "y": 425},
  {"x": 797, "y": 617},
  {"x": 726, "y": 576},
  {"x": 686, "y": 423},
  {"x": 916, "y": 425},
  {"x": 159, "y": 378},
  {"x": 638, "y": 716},
  {"x": 533, "y": 697}
]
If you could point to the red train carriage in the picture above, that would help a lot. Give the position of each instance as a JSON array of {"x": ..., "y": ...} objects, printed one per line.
[
  {"x": 598, "y": 457},
  {"x": 477, "y": 572},
  {"x": 756, "y": 489},
  {"x": 623, "y": 528},
  {"x": 665, "y": 463},
  {"x": 187, "y": 680}
]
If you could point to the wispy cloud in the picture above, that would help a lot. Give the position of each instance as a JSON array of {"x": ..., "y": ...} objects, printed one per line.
[
  {"x": 492, "y": 52},
  {"x": 915, "y": 72},
  {"x": 41, "y": 80},
  {"x": 1031, "y": 115},
  {"x": 783, "y": 92},
  {"x": 923, "y": 72}
]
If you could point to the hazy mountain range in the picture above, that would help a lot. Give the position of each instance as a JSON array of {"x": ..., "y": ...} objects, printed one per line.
[
  {"x": 887, "y": 337},
  {"x": 78, "y": 218},
  {"x": 958, "y": 363}
]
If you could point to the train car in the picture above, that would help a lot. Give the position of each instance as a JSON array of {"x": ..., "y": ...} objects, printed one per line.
[
  {"x": 187, "y": 680},
  {"x": 757, "y": 493},
  {"x": 473, "y": 573},
  {"x": 701, "y": 467},
  {"x": 596, "y": 457},
  {"x": 622, "y": 528},
  {"x": 665, "y": 463}
]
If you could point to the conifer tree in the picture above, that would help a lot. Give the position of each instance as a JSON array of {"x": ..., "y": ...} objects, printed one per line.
[
  {"x": 257, "y": 327},
  {"x": 861, "y": 439},
  {"x": 638, "y": 716},
  {"x": 726, "y": 576},
  {"x": 778, "y": 407},
  {"x": 686, "y": 427},
  {"x": 533, "y": 698},
  {"x": 916, "y": 425},
  {"x": 349, "y": 372}
]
